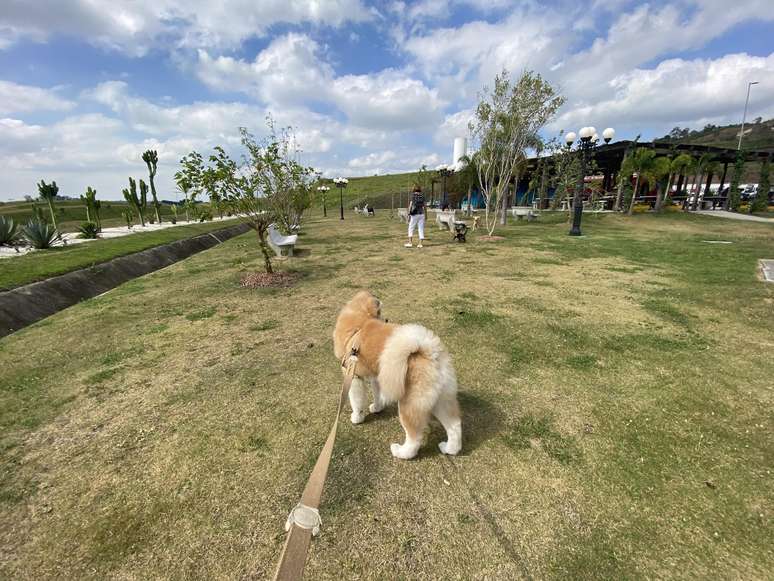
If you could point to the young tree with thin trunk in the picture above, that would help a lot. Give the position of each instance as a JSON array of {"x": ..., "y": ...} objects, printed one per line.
[
  {"x": 507, "y": 120},
  {"x": 151, "y": 159},
  {"x": 49, "y": 192}
]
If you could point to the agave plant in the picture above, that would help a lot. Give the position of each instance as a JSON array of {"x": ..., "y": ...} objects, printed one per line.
[
  {"x": 40, "y": 235},
  {"x": 88, "y": 230},
  {"x": 9, "y": 231}
]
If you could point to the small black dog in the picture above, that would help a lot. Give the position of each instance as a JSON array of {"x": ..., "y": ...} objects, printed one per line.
[{"x": 460, "y": 229}]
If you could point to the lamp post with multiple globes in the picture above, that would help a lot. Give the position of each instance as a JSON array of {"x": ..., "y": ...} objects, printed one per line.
[
  {"x": 588, "y": 141},
  {"x": 341, "y": 183},
  {"x": 323, "y": 191},
  {"x": 444, "y": 171}
]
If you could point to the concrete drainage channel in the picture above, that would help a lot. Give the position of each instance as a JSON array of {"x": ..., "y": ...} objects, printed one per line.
[{"x": 30, "y": 303}]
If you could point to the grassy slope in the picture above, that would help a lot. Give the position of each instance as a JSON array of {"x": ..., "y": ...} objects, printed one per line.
[
  {"x": 72, "y": 213},
  {"x": 616, "y": 393},
  {"x": 376, "y": 190},
  {"x": 42, "y": 264},
  {"x": 758, "y": 136}
]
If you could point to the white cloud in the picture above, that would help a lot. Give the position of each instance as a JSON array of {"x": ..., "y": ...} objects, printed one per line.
[
  {"x": 291, "y": 71},
  {"x": 16, "y": 98},
  {"x": 136, "y": 27},
  {"x": 287, "y": 71},
  {"x": 680, "y": 92}
]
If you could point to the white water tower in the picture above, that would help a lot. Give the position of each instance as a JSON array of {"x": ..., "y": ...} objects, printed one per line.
[{"x": 460, "y": 149}]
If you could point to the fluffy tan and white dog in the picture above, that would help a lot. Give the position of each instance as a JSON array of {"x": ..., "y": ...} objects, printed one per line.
[{"x": 405, "y": 364}]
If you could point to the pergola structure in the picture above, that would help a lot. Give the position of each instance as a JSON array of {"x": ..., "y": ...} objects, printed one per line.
[{"x": 609, "y": 158}]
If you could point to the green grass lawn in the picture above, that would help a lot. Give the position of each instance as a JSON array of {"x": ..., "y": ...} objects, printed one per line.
[
  {"x": 41, "y": 264},
  {"x": 616, "y": 393}
]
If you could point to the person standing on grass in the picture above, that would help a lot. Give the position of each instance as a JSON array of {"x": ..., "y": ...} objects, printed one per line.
[{"x": 417, "y": 214}]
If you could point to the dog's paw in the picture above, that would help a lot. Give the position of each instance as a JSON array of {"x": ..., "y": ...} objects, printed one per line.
[
  {"x": 446, "y": 449},
  {"x": 374, "y": 408},
  {"x": 357, "y": 417},
  {"x": 401, "y": 452}
]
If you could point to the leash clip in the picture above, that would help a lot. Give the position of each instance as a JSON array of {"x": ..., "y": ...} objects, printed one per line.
[{"x": 305, "y": 517}]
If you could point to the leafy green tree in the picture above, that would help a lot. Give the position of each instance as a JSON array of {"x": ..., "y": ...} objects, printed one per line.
[
  {"x": 49, "y": 192},
  {"x": 138, "y": 203},
  {"x": 734, "y": 195},
  {"x": 507, "y": 120},
  {"x": 566, "y": 166},
  {"x": 760, "y": 203},
  {"x": 151, "y": 159}
]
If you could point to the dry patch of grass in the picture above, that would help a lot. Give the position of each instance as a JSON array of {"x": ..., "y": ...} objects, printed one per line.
[{"x": 166, "y": 428}]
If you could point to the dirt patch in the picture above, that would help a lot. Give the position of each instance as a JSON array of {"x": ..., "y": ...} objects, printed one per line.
[
  {"x": 491, "y": 238},
  {"x": 266, "y": 279}
]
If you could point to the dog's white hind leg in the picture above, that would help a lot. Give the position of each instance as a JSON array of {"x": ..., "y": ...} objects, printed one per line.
[
  {"x": 413, "y": 419},
  {"x": 378, "y": 404},
  {"x": 447, "y": 410},
  {"x": 358, "y": 400}
]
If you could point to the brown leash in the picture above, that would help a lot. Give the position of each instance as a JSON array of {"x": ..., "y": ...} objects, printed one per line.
[{"x": 304, "y": 520}]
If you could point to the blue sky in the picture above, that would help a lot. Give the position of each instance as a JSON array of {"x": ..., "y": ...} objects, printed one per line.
[{"x": 86, "y": 86}]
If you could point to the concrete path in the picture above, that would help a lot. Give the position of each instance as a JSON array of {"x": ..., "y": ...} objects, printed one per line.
[{"x": 735, "y": 216}]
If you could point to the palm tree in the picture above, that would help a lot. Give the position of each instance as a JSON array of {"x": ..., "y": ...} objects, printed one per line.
[
  {"x": 640, "y": 163},
  {"x": 659, "y": 170},
  {"x": 677, "y": 167},
  {"x": 700, "y": 167},
  {"x": 49, "y": 193}
]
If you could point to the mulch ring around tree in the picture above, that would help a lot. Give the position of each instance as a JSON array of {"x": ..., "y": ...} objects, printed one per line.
[
  {"x": 266, "y": 279},
  {"x": 491, "y": 238}
]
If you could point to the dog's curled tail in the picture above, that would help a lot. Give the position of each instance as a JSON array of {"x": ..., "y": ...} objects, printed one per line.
[{"x": 394, "y": 361}]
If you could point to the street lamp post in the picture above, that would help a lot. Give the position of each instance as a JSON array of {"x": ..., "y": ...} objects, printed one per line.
[
  {"x": 341, "y": 183},
  {"x": 323, "y": 191},
  {"x": 445, "y": 171},
  {"x": 588, "y": 141},
  {"x": 744, "y": 116}
]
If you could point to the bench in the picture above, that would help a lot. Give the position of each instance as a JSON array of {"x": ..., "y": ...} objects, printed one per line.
[
  {"x": 520, "y": 212},
  {"x": 445, "y": 220},
  {"x": 281, "y": 244}
]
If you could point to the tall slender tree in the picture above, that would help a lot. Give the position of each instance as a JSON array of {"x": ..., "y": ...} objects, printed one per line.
[
  {"x": 49, "y": 192},
  {"x": 151, "y": 159},
  {"x": 507, "y": 120}
]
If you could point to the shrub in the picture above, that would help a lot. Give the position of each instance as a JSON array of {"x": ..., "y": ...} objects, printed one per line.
[
  {"x": 205, "y": 215},
  {"x": 88, "y": 230},
  {"x": 9, "y": 231},
  {"x": 40, "y": 234}
]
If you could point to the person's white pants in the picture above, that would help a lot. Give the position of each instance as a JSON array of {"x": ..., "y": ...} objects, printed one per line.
[{"x": 414, "y": 221}]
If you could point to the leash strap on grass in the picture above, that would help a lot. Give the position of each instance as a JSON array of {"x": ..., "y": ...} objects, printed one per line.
[{"x": 304, "y": 520}]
